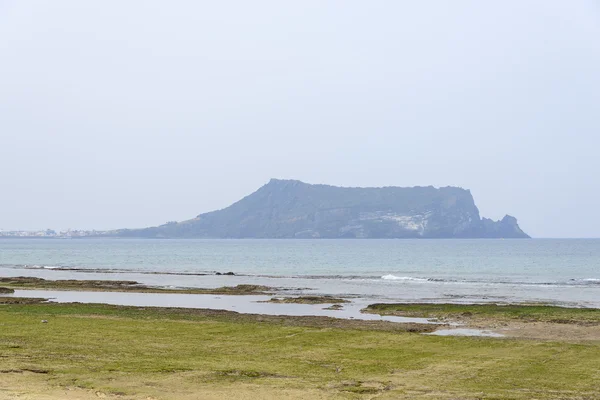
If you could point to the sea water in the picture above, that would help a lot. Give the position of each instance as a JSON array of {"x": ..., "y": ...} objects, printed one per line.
[{"x": 556, "y": 271}]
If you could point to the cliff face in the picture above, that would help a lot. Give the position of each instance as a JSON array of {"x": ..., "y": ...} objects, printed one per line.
[{"x": 293, "y": 209}]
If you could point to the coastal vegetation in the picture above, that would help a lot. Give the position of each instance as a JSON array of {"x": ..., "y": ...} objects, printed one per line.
[
  {"x": 24, "y": 282},
  {"x": 307, "y": 300},
  {"x": 496, "y": 312},
  {"x": 100, "y": 351}
]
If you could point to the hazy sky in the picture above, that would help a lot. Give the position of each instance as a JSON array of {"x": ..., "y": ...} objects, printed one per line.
[{"x": 132, "y": 113}]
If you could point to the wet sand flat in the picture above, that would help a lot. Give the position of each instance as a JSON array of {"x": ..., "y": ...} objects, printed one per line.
[{"x": 246, "y": 304}]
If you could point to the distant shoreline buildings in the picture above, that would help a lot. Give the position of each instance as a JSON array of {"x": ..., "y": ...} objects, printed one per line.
[{"x": 49, "y": 233}]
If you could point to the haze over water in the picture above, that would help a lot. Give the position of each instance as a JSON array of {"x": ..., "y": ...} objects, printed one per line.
[{"x": 557, "y": 271}]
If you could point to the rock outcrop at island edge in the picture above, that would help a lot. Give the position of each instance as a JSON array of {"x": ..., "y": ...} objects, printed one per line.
[{"x": 294, "y": 209}]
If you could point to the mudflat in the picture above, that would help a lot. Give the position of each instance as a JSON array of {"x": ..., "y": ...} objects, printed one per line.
[
  {"x": 308, "y": 300},
  {"x": 90, "y": 351},
  {"x": 8, "y": 284}
]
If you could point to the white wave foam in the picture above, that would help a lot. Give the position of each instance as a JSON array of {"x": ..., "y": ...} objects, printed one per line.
[{"x": 391, "y": 277}]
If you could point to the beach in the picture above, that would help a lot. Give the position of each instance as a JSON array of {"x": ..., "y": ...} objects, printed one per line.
[{"x": 140, "y": 323}]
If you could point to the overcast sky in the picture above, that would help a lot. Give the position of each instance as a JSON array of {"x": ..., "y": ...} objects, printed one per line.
[{"x": 133, "y": 113}]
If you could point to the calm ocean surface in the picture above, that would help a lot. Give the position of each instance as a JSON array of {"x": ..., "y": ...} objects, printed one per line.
[{"x": 565, "y": 272}]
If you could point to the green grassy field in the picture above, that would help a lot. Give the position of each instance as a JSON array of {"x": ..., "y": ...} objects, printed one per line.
[
  {"x": 147, "y": 353},
  {"x": 527, "y": 313}
]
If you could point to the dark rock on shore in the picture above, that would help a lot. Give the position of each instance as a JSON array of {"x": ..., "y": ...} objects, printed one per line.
[{"x": 307, "y": 300}]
